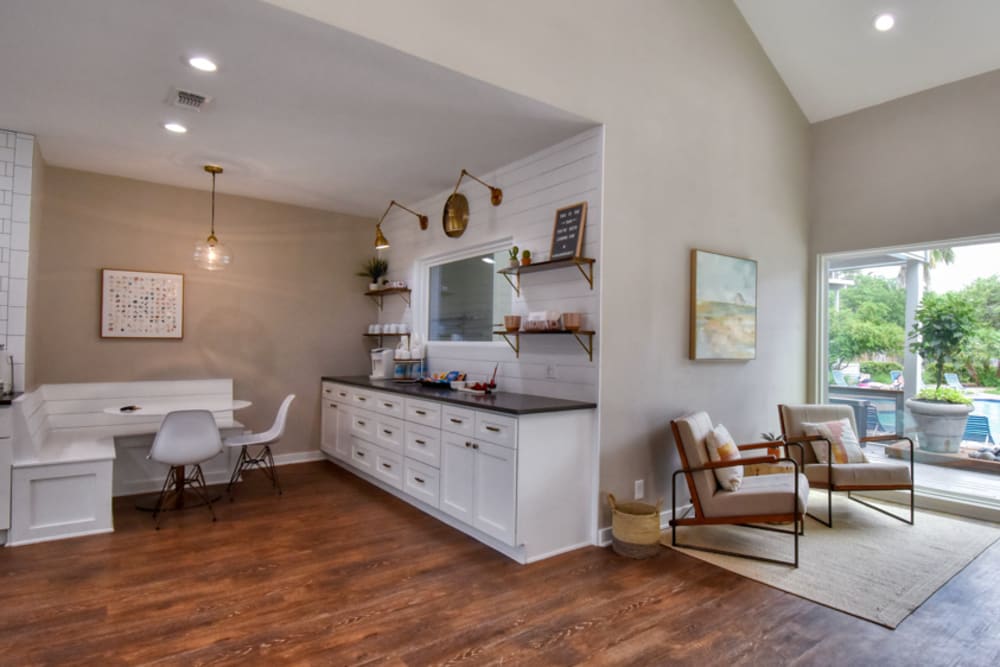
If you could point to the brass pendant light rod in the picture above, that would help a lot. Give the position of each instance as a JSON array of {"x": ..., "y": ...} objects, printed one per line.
[
  {"x": 214, "y": 170},
  {"x": 496, "y": 194}
]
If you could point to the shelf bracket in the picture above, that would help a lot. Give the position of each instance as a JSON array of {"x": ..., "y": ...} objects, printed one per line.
[
  {"x": 516, "y": 345},
  {"x": 377, "y": 298},
  {"x": 406, "y": 297},
  {"x": 588, "y": 347},
  {"x": 588, "y": 275},
  {"x": 515, "y": 284}
]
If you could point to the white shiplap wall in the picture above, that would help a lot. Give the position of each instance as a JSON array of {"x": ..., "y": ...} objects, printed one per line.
[
  {"x": 534, "y": 187},
  {"x": 16, "y": 155}
]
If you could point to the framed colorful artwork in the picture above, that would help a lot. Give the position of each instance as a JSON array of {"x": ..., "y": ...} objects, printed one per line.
[
  {"x": 141, "y": 304},
  {"x": 723, "y": 307}
]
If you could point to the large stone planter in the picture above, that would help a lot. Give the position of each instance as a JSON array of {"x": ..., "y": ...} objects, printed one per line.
[{"x": 940, "y": 425}]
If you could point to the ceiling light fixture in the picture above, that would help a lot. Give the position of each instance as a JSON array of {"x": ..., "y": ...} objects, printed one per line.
[
  {"x": 210, "y": 254},
  {"x": 203, "y": 64},
  {"x": 455, "y": 217},
  {"x": 176, "y": 128},
  {"x": 884, "y": 22},
  {"x": 488, "y": 260},
  {"x": 381, "y": 243}
]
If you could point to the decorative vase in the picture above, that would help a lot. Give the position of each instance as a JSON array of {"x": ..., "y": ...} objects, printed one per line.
[
  {"x": 372, "y": 287},
  {"x": 525, "y": 261},
  {"x": 514, "y": 263},
  {"x": 512, "y": 323},
  {"x": 572, "y": 321},
  {"x": 940, "y": 425}
]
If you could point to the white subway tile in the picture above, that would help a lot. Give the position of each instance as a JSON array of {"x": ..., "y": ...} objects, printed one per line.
[
  {"x": 6, "y": 154},
  {"x": 6, "y": 182},
  {"x": 22, "y": 180},
  {"x": 24, "y": 149},
  {"x": 3, "y": 299},
  {"x": 19, "y": 377},
  {"x": 15, "y": 346},
  {"x": 21, "y": 208},
  {"x": 8, "y": 168},
  {"x": 3, "y": 309},
  {"x": 18, "y": 292},
  {"x": 18, "y": 264},
  {"x": 17, "y": 321},
  {"x": 3, "y": 331},
  {"x": 4, "y": 267},
  {"x": 10, "y": 139},
  {"x": 5, "y": 198},
  {"x": 19, "y": 236}
]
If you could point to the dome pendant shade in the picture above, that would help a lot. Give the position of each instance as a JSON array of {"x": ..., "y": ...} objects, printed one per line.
[{"x": 210, "y": 254}]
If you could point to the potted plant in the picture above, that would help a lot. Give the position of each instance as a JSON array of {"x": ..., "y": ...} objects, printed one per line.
[
  {"x": 943, "y": 321},
  {"x": 373, "y": 269},
  {"x": 513, "y": 257},
  {"x": 526, "y": 258}
]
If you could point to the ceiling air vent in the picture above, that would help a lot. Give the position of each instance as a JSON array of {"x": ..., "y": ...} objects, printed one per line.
[{"x": 186, "y": 99}]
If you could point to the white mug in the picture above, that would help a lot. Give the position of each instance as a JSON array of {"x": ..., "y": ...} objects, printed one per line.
[
  {"x": 376, "y": 328},
  {"x": 404, "y": 328},
  {"x": 391, "y": 328}
]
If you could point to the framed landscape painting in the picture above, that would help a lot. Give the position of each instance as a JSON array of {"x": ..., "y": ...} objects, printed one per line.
[{"x": 723, "y": 307}]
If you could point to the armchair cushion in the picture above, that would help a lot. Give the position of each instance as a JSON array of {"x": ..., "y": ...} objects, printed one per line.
[
  {"x": 758, "y": 496},
  {"x": 860, "y": 474},
  {"x": 722, "y": 447},
  {"x": 843, "y": 442}
]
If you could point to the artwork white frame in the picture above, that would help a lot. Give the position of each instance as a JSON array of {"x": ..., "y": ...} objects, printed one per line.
[{"x": 141, "y": 304}]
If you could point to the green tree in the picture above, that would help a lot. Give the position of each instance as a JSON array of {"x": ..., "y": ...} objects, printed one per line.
[
  {"x": 981, "y": 352},
  {"x": 853, "y": 336},
  {"x": 943, "y": 323},
  {"x": 875, "y": 298}
]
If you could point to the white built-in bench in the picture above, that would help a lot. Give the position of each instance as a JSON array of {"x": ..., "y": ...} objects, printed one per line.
[{"x": 70, "y": 457}]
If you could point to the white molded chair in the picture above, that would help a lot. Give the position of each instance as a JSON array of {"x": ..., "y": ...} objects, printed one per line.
[
  {"x": 185, "y": 438},
  {"x": 264, "y": 459}
]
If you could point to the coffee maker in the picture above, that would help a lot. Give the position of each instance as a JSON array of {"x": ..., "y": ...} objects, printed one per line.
[{"x": 383, "y": 365}]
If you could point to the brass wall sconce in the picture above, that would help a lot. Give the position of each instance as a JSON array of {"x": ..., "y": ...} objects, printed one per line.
[
  {"x": 455, "y": 217},
  {"x": 381, "y": 242}
]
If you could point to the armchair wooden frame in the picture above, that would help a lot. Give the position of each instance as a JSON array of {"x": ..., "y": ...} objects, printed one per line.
[
  {"x": 832, "y": 487},
  {"x": 747, "y": 520}
]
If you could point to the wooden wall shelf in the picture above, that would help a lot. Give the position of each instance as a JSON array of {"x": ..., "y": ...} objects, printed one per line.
[
  {"x": 378, "y": 294},
  {"x": 380, "y": 335},
  {"x": 584, "y": 264},
  {"x": 515, "y": 344}
]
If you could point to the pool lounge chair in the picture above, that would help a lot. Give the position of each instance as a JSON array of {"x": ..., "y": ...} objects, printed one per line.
[
  {"x": 977, "y": 429},
  {"x": 838, "y": 378},
  {"x": 953, "y": 381}
]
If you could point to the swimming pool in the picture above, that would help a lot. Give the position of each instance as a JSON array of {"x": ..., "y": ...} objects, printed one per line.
[{"x": 990, "y": 408}]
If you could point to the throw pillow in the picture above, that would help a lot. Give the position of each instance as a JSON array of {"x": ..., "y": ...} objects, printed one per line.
[
  {"x": 843, "y": 441},
  {"x": 722, "y": 447}
]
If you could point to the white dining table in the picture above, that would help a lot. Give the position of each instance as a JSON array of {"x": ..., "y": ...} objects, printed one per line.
[{"x": 161, "y": 408}]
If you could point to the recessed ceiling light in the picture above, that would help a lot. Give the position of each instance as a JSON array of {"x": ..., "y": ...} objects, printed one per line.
[
  {"x": 203, "y": 64},
  {"x": 884, "y": 22},
  {"x": 176, "y": 128}
]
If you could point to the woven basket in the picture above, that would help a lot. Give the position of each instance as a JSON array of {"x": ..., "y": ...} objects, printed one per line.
[{"x": 635, "y": 528}]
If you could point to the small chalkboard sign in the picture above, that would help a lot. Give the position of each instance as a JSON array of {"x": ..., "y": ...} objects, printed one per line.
[{"x": 567, "y": 235}]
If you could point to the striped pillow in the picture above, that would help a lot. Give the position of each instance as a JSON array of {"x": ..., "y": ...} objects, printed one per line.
[{"x": 722, "y": 447}]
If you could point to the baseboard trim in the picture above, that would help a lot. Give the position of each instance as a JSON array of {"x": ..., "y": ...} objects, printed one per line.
[
  {"x": 299, "y": 457},
  {"x": 61, "y": 536}
]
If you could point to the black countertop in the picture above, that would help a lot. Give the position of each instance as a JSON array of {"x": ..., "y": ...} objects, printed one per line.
[{"x": 501, "y": 401}]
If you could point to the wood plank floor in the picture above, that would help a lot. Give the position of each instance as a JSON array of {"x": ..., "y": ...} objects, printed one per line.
[{"x": 335, "y": 572}]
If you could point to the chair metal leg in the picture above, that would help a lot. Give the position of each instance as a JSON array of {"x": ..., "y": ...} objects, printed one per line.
[
  {"x": 264, "y": 461},
  {"x": 197, "y": 483},
  {"x": 237, "y": 471},
  {"x": 164, "y": 492},
  {"x": 886, "y": 512},
  {"x": 274, "y": 469},
  {"x": 829, "y": 510}
]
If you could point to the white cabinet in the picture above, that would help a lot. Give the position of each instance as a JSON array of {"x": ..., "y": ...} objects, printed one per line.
[
  {"x": 524, "y": 484},
  {"x": 495, "y": 491},
  {"x": 458, "y": 472}
]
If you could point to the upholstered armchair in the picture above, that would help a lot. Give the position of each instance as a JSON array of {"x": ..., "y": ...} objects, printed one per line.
[
  {"x": 767, "y": 499},
  {"x": 796, "y": 421}
]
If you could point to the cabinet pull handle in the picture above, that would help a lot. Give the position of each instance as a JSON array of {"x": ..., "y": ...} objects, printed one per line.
[
  {"x": 360, "y": 423},
  {"x": 327, "y": 391},
  {"x": 468, "y": 444},
  {"x": 387, "y": 466},
  {"x": 418, "y": 480},
  {"x": 456, "y": 421},
  {"x": 387, "y": 431},
  {"x": 360, "y": 454},
  {"x": 420, "y": 412},
  {"x": 493, "y": 428},
  {"x": 333, "y": 405},
  {"x": 342, "y": 394},
  {"x": 362, "y": 399},
  {"x": 387, "y": 405},
  {"x": 420, "y": 442},
  {"x": 475, "y": 446}
]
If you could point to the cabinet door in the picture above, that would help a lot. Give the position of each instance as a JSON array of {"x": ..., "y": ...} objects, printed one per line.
[
  {"x": 495, "y": 491},
  {"x": 457, "y": 482},
  {"x": 342, "y": 447},
  {"x": 331, "y": 427}
]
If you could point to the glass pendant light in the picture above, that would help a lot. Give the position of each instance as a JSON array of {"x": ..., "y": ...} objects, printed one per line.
[{"x": 211, "y": 254}]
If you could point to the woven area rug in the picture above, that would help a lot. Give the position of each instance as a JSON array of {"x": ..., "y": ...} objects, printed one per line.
[{"x": 868, "y": 565}]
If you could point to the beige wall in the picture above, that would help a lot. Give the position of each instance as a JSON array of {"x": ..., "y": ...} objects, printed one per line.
[
  {"x": 918, "y": 169},
  {"x": 705, "y": 148},
  {"x": 288, "y": 310},
  {"x": 34, "y": 238}
]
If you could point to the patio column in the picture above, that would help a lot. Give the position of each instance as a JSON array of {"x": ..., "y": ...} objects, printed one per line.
[{"x": 912, "y": 367}]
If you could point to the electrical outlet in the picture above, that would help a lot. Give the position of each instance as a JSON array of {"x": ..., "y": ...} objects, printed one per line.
[
  {"x": 550, "y": 372},
  {"x": 640, "y": 489}
]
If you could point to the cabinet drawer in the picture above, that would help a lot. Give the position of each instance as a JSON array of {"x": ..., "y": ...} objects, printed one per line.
[
  {"x": 389, "y": 433},
  {"x": 363, "y": 399},
  {"x": 363, "y": 424},
  {"x": 421, "y": 482},
  {"x": 389, "y": 404},
  {"x": 362, "y": 455},
  {"x": 388, "y": 467},
  {"x": 339, "y": 393},
  {"x": 423, "y": 444},
  {"x": 497, "y": 429},
  {"x": 458, "y": 420},
  {"x": 422, "y": 412}
]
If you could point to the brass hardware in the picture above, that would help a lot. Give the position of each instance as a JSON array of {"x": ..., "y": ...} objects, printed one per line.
[
  {"x": 387, "y": 466},
  {"x": 468, "y": 444},
  {"x": 388, "y": 405},
  {"x": 475, "y": 446},
  {"x": 380, "y": 241},
  {"x": 361, "y": 423},
  {"x": 362, "y": 399},
  {"x": 387, "y": 431},
  {"x": 493, "y": 428},
  {"x": 361, "y": 454},
  {"x": 455, "y": 217},
  {"x": 211, "y": 254}
]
